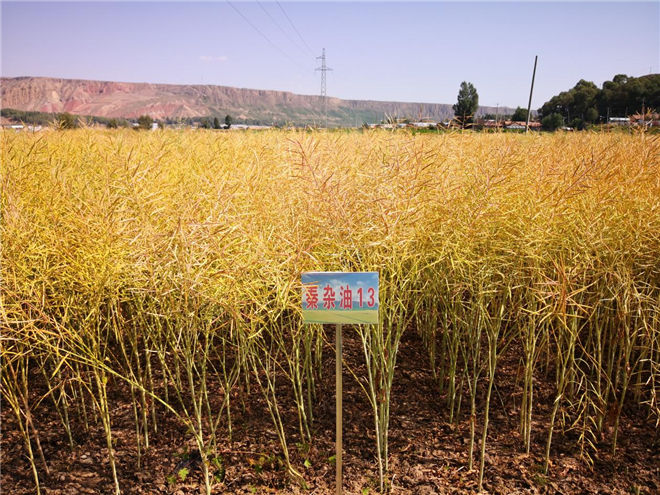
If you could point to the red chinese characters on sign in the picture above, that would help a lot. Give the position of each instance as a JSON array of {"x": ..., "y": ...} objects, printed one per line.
[
  {"x": 328, "y": 297},
  {"x": 345, "y": 298},
  {"x": 312, "y": 298}
]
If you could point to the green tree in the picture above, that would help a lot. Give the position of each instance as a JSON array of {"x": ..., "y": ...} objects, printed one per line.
[
  {"x": 205, "y": 123},
  {"x": 112, "y": 124},
  {"x": 622, "y": 96},
  {"x": 577, "y": 124},
  {"x": 585, "y": 96},
  {"x": 67, "y": 121},
  {"x": 145, "y": 122},
  {"x": 520, "y": 115},
  {"x": 467, "y": 104},
  {"x": 552, "y": 122},
  {"x": 591, "y": 115},
  {"x": 216, "y": 123},
  {"x": 228, "y": 121}
]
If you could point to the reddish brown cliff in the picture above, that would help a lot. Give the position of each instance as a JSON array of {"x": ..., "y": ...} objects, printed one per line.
[{"x": 130, "y": 100}]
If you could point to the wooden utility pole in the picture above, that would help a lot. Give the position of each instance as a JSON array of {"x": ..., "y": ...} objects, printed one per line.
[{"x": 529, "y": 105}]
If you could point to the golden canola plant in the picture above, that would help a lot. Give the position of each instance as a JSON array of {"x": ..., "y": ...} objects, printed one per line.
[{"x": 171, "y": 260}]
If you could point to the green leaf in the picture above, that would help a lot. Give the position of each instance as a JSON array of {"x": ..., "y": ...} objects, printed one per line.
[
  {"x": 218, "y": 462},
  {"x": 183, "y": 473},
  {"x": 307, "y": 464}
]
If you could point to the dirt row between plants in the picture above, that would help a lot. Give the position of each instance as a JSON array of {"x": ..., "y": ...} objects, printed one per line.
[{"x": 427, "y": 454}]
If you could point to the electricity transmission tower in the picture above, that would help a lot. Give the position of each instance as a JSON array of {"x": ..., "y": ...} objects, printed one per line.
[{"x": 323, "y": 70}]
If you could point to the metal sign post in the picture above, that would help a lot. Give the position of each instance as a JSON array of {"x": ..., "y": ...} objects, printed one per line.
[
  {"x": 340, "y": 297},
  {"x": 339, "y": 402}
]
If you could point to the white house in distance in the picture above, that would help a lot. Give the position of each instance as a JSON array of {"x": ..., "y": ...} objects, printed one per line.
[
  {"x": 619, "y": 121},
  {"x": 13, "y": 127},
  {"x": 154, "y": 125}
]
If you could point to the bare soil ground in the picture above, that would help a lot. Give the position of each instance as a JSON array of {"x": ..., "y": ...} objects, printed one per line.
[{"x": 427, "y": 454}]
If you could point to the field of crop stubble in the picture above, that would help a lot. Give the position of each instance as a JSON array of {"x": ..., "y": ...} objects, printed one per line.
[{"x": 151, "y": 315}]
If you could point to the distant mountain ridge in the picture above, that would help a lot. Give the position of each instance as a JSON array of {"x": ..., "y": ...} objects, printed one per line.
[{"x": 160, "y": 101}]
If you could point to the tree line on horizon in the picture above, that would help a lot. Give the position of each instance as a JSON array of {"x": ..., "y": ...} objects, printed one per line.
[
  {"x": 66, "y": 120},
  {"x": 583, "y": 105},
  {"x": 587, "y": 104}
]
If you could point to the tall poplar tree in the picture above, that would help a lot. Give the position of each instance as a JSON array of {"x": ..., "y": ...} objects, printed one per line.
[{"x": 468, "y": 102}]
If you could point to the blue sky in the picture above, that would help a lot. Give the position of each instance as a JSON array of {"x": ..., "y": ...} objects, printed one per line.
[{"x": 393, "y": 51}]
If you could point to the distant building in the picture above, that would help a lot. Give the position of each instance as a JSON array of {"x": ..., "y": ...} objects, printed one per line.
[
  {"x": 13, "y": 127},
  {"x": 492, "y": 124},
  {"x": 649, "y": 119},
  {"x": 619, "y": 121},
  {"x": 518, "y": 125}
]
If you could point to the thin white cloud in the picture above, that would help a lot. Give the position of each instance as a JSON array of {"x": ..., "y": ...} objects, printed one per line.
[{"x": 209, "y": 58}]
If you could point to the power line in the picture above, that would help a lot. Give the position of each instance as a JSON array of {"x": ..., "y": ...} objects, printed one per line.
[
  {"x": 294, "y": 27},
  {"x": 265, "y": 37},
  {"x": 283, "y": 31}
]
